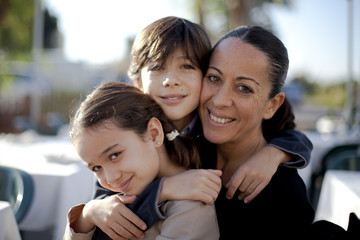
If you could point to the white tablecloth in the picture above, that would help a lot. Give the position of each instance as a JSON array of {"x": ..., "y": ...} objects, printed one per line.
[
  {"x": 61, "y": 179},
  {"x": 339, "y": 196},
  {"x": 322, "y": 143},
  {"x": 8, "y": 227}
]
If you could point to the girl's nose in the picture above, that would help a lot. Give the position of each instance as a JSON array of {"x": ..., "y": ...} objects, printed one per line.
[{"x": 112, "y": 176}]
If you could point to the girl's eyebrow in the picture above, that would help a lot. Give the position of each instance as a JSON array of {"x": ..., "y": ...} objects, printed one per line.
[
  {"x": 106, "y": 150},
  {"x": 237, "y": 78}
]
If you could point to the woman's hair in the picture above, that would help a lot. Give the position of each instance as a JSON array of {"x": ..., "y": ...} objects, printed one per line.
[
  {"x": 277, "y": 57},
  {"x": 163, "y": 37},
  {"x": 130, "y": 109}
]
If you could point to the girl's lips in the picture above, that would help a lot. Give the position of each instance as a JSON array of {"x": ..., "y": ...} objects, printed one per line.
[{"x": 124, "y": 186}]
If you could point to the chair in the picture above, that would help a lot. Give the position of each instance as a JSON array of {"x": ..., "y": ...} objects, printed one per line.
[
  {"x": 16, "y": 187},
  {"x": 341, "y": 157}
]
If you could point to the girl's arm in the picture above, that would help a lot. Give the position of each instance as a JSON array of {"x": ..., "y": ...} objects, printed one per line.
[{"x": 109, "y": 214}]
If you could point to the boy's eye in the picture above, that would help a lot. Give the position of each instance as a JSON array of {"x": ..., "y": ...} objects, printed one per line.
[
  {"x": 156, "y": 68},
  {"x": 187, "y": 66}
]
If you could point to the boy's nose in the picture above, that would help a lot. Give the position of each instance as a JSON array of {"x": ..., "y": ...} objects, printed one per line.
[{"x": 171, "y": 80}]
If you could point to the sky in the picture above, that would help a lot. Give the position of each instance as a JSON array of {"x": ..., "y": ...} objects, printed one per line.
[{"x": 315, "y": 32}]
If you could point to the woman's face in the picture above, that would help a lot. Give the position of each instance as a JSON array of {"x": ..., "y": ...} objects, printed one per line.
[
  {"x": 234, "y": 97},
  {"x": 175, "y": 86},
  {"x": 121, "y": 160}
]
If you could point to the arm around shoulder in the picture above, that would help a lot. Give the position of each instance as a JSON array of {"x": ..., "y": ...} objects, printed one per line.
[{"x": 295, "y": 143}]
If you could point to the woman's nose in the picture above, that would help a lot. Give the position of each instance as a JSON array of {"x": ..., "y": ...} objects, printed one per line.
[{"x": 222, "y": 97}]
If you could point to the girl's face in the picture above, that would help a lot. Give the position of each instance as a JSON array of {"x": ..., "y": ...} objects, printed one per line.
[
  {"x": 175, "y": 86},
  {"x": 234, "y": 98},
  {"x": 121, "y": 160}
]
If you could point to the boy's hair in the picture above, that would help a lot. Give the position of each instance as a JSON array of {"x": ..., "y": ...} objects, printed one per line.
[
  {"x": 130, "y": 109},
  {"x": 162, "y": 38}
]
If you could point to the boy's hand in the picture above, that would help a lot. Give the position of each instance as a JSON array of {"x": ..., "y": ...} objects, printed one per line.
[
  {"x": 196, "y": 184},
  {"x": 255, "y": 174},
  {"x": 114, "y": 218}
]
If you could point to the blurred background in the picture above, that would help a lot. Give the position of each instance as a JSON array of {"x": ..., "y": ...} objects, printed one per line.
[{"x": 53, "y": 52}]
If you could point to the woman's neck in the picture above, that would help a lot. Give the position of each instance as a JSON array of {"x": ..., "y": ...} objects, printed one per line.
[{"x": 231, "y": 155}]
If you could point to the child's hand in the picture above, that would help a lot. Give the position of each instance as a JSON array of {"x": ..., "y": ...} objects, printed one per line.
[
  {"x": 255, "y": 174},
  {"x": 114, "y": 218},
  {"x": 196, "y": 184}
]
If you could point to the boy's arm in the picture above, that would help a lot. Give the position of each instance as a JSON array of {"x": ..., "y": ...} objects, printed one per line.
[
  {"x": 145, "y": 205},
  {"x": 292, "y": 149},
  {"x": 297, "y": 146},
  {"x": 202, "y": 185}
]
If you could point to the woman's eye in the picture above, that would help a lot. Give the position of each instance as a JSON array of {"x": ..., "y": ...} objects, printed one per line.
[
  {"x": 213, "y": 78},
  {"x": 244, "y": 89}
]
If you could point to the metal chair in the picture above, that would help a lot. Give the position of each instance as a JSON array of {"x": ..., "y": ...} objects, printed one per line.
[
  {"x": 16, "y": 187},
  {"x": 341, "y": 157}
]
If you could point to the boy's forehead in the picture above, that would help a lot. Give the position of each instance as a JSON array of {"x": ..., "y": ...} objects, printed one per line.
[{"x": 178, "y": 52}]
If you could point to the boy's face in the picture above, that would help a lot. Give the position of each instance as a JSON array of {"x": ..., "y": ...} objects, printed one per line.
[{"x": 175, "y": 86}]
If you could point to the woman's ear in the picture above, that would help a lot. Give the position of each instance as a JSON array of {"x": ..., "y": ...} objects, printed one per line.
[
  {"x": 273, "y": 105},
  {"x": 155, "y": 131}
]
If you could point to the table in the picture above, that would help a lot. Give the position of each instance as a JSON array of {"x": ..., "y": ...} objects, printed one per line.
[
  {"x": 60, "y": 177},
  {"x": 322, "y": 143},
  {"x": 339, "y": 196},
  {"x": 8, "y": 227}
]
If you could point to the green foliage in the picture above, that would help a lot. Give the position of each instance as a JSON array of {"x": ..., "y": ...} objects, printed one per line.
[
  {"x": 16, "y": 20},
  {"x": 332, "y": 96}
]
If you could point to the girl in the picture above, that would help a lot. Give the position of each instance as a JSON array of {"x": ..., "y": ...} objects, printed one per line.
[{"x": 126, "y": 140}]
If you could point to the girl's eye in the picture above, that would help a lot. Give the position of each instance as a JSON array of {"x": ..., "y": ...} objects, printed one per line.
[
  {"x": 245, "y": 89},
  {"x": 114, "y": 156},
  {"x": 96, "y": 168}
]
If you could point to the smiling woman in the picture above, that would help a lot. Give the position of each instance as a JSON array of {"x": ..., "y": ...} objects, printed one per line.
[
  {"x": 126, "y": 140},
  {"x": 241, "y": 91}
]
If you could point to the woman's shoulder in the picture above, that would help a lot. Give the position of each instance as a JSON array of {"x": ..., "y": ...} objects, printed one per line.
[{"x": 287, "y": 185}]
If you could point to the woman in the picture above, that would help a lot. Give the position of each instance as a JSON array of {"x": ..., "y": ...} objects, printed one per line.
[{"x": 241, "y": 107}]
